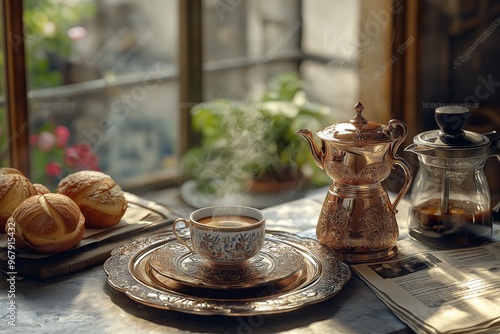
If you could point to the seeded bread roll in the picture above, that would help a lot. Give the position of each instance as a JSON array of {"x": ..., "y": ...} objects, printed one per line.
[
  {"x": 46, "y": 224},
  {"x": 100, "y": 199},
  {"x": 14, "y": 189}
]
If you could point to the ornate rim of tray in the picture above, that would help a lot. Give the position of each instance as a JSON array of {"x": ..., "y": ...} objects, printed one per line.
[{"x": 323, "y": 275}]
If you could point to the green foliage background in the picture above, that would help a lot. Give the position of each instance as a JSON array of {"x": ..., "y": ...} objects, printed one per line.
[{"x": 241, "y": 140}]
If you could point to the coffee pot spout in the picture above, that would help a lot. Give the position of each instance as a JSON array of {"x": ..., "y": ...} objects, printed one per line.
[{"x": 315, "y": 151}]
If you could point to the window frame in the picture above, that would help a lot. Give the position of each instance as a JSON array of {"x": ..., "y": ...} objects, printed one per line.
[{"x": 16, "y": 99}]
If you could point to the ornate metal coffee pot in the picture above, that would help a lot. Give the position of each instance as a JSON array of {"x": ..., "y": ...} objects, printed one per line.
[{"x": 357, "y": 218}]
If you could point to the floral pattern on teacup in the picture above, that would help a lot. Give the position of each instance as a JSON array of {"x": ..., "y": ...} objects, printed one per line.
[{"x": 229, "y": 248}]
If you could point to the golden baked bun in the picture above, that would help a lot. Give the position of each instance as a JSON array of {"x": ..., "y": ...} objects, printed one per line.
[
  {"x": 47, "y": 224},
  {"x": 100, "y": 199},
  {"x": 41, "y": 189},
  {"x": 14, "y": 189}
]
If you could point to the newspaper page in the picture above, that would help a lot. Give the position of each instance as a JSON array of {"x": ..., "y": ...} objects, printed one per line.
[{"x": 446, "y": 291}]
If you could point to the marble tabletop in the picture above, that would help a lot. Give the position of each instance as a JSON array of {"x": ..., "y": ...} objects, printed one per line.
[{"x": 83, "y": 302}]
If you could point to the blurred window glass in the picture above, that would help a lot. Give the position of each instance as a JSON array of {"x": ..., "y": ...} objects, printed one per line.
[
  {"x": 247, "y": 43},
  {"x": 102, "y": 77}
]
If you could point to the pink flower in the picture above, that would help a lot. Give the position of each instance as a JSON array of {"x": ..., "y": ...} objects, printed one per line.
[
  {"x": 53, "y": 169},
  {"x": 34, "y": 139},
  {"x": 71, "y": 157},
  {"x": 81, "y": 157},
  {"x": 62, "y": 136},
  {"x": 83, "y": 150},
  {"x": 77, "y": 33},
  {"x": 46, "y": 141}
]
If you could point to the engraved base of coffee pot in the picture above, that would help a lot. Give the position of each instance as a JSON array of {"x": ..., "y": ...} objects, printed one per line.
[
  {"x": 359, "y": 223},
  {"x": 364, "y": 257}
]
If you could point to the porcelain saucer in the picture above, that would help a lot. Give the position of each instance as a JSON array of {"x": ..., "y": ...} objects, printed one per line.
[{"x": 275, "y": 261}]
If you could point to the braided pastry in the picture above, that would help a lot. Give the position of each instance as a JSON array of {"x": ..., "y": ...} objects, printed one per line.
[
  {"x": 100, "y": 199},
  {"x": 14, "y": 189},
  {"x": 49, "y": 223}
]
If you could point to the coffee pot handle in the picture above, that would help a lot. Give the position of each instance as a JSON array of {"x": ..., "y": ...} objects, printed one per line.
[
  {"x": 406, "y": 186},
  {"x": 394, "y": 123}
]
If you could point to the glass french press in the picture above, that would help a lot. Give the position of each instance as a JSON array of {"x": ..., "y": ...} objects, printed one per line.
[{"x": 450, "y": 197}]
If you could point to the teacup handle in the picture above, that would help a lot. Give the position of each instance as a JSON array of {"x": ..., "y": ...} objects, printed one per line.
[{"x": 177, "y": 236}]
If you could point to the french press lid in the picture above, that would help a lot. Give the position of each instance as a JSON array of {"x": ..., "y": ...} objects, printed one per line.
[
  {"x": 451, "y": 141},
  {"x": 357, "y": 129}
]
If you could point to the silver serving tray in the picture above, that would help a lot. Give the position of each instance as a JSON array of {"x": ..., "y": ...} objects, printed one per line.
[{"x": 322, "y": 276}]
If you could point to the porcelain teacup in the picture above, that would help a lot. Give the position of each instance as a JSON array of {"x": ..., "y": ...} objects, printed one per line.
[{"x": 226, "y": 235}]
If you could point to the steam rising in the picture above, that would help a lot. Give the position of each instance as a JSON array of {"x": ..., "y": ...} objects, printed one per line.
[{"x": 238, "y": 148}]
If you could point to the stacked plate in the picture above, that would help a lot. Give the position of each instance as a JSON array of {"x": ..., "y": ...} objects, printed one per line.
[{"x": 288, "y": 273}]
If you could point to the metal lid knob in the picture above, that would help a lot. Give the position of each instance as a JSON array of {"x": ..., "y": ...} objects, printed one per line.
[
  {"x": 451, "y": 141},
  {"x": 451, "y": 120}
]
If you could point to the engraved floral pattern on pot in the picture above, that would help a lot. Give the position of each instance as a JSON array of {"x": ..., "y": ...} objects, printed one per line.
[
  {"x": 379, "y": 229},
  {"x": 230, "y": 247},
  {"x": 333, "y": 228},
  {"x": 375, "y": 172},
  {"x": 370, "y": 173},
  {"x": 339, "y": 171}
]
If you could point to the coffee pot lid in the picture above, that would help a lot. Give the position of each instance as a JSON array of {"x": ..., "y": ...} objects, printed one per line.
[
  {"x": 451, "y": 136},
  {"x": 356, "y": 129}
]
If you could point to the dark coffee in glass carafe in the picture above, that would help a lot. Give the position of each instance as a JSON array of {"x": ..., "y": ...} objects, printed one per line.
[{"x": 463, "y": 225}]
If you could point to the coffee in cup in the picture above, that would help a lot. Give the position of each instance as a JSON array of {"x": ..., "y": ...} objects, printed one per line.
[{"x": 224, "y": 235}]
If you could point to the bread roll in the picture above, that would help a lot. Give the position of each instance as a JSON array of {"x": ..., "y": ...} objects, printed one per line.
[
  {"x": 100, "y": 199},
  {"x": 14, "y": 189},
  {"x": 48, "y": 223},
  {"x": 41, "y": 189}
]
